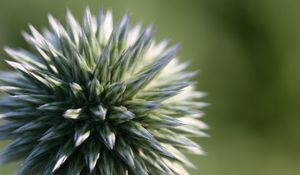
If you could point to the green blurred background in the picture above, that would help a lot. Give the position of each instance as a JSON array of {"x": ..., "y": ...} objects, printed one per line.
[{"x": 249, "y": 56}]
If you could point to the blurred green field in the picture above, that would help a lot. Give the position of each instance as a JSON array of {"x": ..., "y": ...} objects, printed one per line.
[{"x": 248, "y": 53}]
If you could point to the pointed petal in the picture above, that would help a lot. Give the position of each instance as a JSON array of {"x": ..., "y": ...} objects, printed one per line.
[{"x": 108, "y": 136}]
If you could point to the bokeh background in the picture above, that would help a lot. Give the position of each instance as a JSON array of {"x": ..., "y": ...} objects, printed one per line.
[{"x": 248, "y": 53}]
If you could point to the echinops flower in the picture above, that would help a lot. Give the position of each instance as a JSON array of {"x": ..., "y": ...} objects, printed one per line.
[{"x": 99, "y": 99}]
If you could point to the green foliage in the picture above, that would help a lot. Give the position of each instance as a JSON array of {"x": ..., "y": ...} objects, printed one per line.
[{"x": 97, "y": 99}]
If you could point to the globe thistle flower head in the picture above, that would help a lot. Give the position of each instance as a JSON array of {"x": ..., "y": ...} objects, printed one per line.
[{"x": 100, "y": 99}]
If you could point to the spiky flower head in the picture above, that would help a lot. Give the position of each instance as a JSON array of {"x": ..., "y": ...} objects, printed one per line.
[{"x": 97, "y": 99}]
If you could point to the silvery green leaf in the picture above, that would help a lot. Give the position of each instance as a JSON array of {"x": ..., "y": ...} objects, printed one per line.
[
  {"x": 81, "y": 134},
  {"x": 77, "y": 91},
  {"x": 161, "y": 121},
  {"x": 157, "y": 165},
  {"x": 14, "y": 79},
  {"x": 92, "y": 154},
  {"x": 54, "y": 106},
  {"x": 136, "y": 49},
  {"x": 16, "y": 115},
  {"x": 11, "y": 90},
  {"x": 72, "y": 113},
  {"x": 190, "y": 131},
  {"x": 32, "y": 166},
  {"x": 56, "y": 131},
  {"x": 101, "y": 70},
  {"x": 178, "y": 155},
  {"x": 95, "y": 89},
  {"x": 9, "y": 127},
  {"x": 143, "y": 78},
  {"x": 106, "y": 165},
  {"x": 126, "y": 153},
  {"x": 141, "y": 106},
  {"x": 57, "y": 27},
  {"x": 140, "y": 166},
  {"x": 115, "y": 93},
  {"x": 155, "y": 145},
  {"x": 34, "y": 99},
  {"x": 75, "y": 166},
  {"x": 108, "y": 136},
  {"x": 73, "y": 27},
  {"x": 166, "y": 136},
  {"x": 121, "y": 65},
  {"x": 122, "y": 31},
  {"x": 137, "y": 130},
  {"x": 162, "y": 93},
  {"x": 61, "y": 157},
  {"x": 24, "y": 56},
  {"x": 42, "y": 148},
  {"x": 121, "y": 114},
  {"x": 89, "y": 22},
  {"x": 34, "y": 125}
]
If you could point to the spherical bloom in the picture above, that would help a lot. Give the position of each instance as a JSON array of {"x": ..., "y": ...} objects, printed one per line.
[{"x": 97, "y": 99}]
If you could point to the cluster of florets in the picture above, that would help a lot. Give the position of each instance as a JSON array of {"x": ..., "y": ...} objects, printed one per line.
[{"x": 97, "y": 99}]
